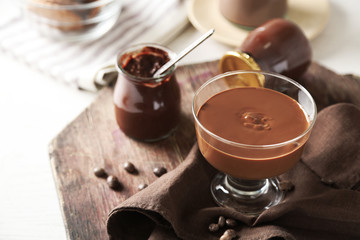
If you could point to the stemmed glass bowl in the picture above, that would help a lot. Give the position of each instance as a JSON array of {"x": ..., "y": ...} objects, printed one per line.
[{"x": 247, "y": 179}]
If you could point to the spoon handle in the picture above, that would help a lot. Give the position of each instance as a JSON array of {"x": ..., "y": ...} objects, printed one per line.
[{"x": 184, "y": 52}]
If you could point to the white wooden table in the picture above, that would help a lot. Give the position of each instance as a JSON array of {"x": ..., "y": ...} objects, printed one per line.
[{"x": 34, "y": 108}]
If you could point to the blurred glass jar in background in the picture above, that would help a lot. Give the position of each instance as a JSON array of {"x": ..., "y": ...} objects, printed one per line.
[
  {"x": 72, "y": 20},
  {"x": 252, "y": 13}
]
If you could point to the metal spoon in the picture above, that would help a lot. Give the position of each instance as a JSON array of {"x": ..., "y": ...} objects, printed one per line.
[{"x": 184, "y": 52}]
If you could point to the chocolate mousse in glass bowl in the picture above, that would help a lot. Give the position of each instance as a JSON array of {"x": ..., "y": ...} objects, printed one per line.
[{"x": 252, "y": 13}]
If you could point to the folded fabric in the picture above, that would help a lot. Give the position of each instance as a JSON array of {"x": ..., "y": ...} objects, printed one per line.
[
  {"x": 323, "y": 204},
  {"x": 140, "y": 21},
  {"x": 339, "y": 165}
]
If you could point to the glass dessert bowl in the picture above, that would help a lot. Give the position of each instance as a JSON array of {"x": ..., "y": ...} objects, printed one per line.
[
  {"x": 72, "y": 20},
  {"x": 251, "y": 132}
]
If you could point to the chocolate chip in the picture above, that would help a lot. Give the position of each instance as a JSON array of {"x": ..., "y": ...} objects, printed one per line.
[
  {"x": 231, "y": 222},
  {"x": 142, "y": 186},
  {"x": 228, "y": 235},
  {"x": 129, "y": 167},
  {"x": 327, "y": 181},
  {"x": 221, "y": 221},
  {"x": 213, "y": 227},
  {"x": 159, "y": 171},
  {"x": 113, "y": 182},
  {"x": 100, "y": 172}
]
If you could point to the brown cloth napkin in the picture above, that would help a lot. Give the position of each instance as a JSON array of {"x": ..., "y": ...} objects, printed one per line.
[{"x": 324, "y": 203}]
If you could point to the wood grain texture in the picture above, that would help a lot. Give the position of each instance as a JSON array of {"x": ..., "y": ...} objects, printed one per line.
[{"x": 94, "y": 140}]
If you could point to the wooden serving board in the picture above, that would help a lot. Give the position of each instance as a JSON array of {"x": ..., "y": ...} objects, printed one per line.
[{"x": 93, "y": 139}]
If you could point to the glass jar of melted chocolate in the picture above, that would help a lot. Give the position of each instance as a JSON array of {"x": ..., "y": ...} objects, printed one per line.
[{"x": 146, "y": 108}]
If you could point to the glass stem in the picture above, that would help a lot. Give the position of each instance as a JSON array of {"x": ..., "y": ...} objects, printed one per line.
[{"x": 247, "y": 188}]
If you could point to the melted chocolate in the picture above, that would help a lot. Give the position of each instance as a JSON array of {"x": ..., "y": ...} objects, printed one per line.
[
  {"x": 253, "y": 116},
  {"x": 144, "y": 63},
  {"x": 146, "y": 109}
]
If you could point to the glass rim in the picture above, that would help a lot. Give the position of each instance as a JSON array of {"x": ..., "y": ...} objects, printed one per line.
[
  {"x": 144, "y": 79},
  {"x": 261, "y": 146},
  {"x": 78, "y": 6}
]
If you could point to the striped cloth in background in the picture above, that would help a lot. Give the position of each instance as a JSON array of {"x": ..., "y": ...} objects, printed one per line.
[{"x": 140, "y": 21}]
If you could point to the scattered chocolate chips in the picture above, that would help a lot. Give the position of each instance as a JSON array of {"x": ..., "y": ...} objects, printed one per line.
[
  {"x": 142, "y": 186},
  {"x": 231, "y": 222},
  {"x": 213, "y": 227},
  {"x": 113, "y": 182},
  {"x": 221, "y": 221},
  {"x": 129, "y": 167},
  {"x": 159, "y": 171},
  {"x": 100, "y": 172},
  {"x": 228, "y": 223},
  {"x": 228, "y": 235}
]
